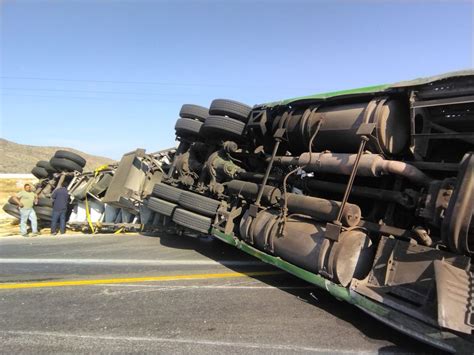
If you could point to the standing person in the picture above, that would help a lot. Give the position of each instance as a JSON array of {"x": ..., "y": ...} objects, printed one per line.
[
  {"x": 60, "y": 198},
  {"x": 25, "y": 200}
]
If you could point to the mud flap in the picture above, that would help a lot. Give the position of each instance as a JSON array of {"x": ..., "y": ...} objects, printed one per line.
[{"x": 455, "y": 288}]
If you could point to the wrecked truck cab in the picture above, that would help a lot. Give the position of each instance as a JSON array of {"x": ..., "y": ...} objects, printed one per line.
[
  {"x": 134, "y": 178},
  {"x": 366, "y": 193}
]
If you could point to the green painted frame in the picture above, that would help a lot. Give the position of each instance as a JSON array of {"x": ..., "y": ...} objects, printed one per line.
[{"x": 439, "y": 338}]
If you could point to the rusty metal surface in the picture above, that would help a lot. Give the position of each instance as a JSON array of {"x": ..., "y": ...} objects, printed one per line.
[{"x": 454, "y": 288}]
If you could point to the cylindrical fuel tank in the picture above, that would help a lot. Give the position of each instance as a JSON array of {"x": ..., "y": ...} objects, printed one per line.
[
  {"x": 340, "y": 124},
  {"x": 303, "y": 243}
]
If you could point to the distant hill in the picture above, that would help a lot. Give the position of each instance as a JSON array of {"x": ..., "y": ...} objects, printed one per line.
[{"x": 20, "y": 158}]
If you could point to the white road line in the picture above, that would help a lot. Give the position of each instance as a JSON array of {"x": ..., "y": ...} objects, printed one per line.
[
  {"x": 144, "y": 262},
  {"x": 247, "y": 345}
]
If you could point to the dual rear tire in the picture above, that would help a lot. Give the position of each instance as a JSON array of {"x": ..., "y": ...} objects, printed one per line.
[
  {"x": 67, "y": 161},
  {"x": 225, "y": 119}
]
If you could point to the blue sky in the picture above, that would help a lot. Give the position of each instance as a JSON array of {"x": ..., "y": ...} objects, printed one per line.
[{"x": 107, "y": 77}]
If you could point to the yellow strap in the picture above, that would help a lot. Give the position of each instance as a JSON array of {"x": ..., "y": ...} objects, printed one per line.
[
  {"x": 100, "y": 168},
  {"x": 118, "y": 231},
  {"x": 88, "y": 215}
]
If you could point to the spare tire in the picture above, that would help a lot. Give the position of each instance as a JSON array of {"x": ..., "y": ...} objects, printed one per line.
[
  {"x": 222, "y": 126},
  {"x": 44, "y": 201},
  {"x": 199, "y": 204},
  {"x": 64, "y": 154},
  {"x": 44, "y": 213},
  {"x": 192, "y": 220},
  {"x": 63, "y": 164},
  {"x": 12, "y": 210},
  {"x": 187, "y": 127},
  {"x": 47, "y": 166},
  {"x": 39, "y": 172},
  {"x": 167, "y": 192},
  {"x": 194, "y": 111},
  {"x": 231, "y": 108}
]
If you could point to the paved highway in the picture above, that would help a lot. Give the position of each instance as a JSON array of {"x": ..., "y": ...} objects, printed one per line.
[{"x": 134, "y": 293}]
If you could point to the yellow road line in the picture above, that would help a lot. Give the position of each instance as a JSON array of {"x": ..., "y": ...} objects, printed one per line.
[{"x": 226, "y": 275}]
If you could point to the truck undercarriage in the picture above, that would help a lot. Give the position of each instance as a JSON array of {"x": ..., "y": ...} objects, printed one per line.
[{"x": 368, "y": 194}]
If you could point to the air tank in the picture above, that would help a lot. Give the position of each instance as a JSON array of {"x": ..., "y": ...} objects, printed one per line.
[
  {"x": 304, "y": 244},
  {"x": 340, "y": 124}
]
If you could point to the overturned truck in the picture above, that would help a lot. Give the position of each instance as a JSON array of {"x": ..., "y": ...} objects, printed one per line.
[
  {"x": 107, "y": 199},
  {"x": 366, "y": 193}
]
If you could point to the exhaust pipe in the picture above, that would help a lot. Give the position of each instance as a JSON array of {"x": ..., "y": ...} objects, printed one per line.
[
  {"x": 371, "y": 165},
  {"x": 318, "y": 208}
]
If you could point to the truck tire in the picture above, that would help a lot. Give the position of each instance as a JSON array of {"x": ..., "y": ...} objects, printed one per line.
[
  {"x": 71, "y": 156},
  {"x": 222, "y": 126},
  {"x": 192, "y": 220},
  {"x": 47, "y": 166},
  {"x": 63, "y": 164},
  {"x": 44, "y": 201},
  {"x": 187, "y": 127},
  {"x": 161, "y": 206},
  {"x": 39, "y": 172},
  {"x": 44, "y": 213},
  {"x": 12, "y": 210},
  {"x": 199, "y": 204},
  {"x": 231, "y": 108},
  {"x": 194, "y": 111},
  {"x": 167, "y": 192}
]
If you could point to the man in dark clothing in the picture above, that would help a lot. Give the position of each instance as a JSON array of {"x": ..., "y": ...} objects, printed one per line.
[{"x": 60, "y": 198}]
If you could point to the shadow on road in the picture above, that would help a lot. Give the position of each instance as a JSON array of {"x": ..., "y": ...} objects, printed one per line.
[{"x": 369, "y": 328}]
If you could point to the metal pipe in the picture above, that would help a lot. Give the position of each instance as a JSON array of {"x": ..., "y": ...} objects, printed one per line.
[
  {"x": 323, "y": 210},
  {"x": 250, "y": 190},
  {"x": 363, "y": 142},
  {"x": 403, "y": 169},
  {"x": 371, "y": 165},
  {"x": 267, "y": 172},
  {"x": 248, "y": 175},
  {"x": 361, "y": 191}
]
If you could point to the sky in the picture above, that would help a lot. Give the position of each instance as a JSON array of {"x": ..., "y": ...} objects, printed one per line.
[{"x": 107, "y": 77}]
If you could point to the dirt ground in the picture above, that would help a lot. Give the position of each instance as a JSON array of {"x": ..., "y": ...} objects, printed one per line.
[{"x": 9, "y": 187}]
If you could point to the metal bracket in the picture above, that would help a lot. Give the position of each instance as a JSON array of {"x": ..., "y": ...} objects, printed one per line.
[
  {"x": 258, "y": 119},
  {"x": 253, "y": 210},
  {"x": 279, "y": 133},
  {"x": 363, "y": 141},
  {"x": 333, "y": 231},
  {"x": 365, "y": 129}
]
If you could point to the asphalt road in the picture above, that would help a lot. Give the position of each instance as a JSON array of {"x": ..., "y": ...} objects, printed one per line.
[{"x": 135, "y": 294}]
